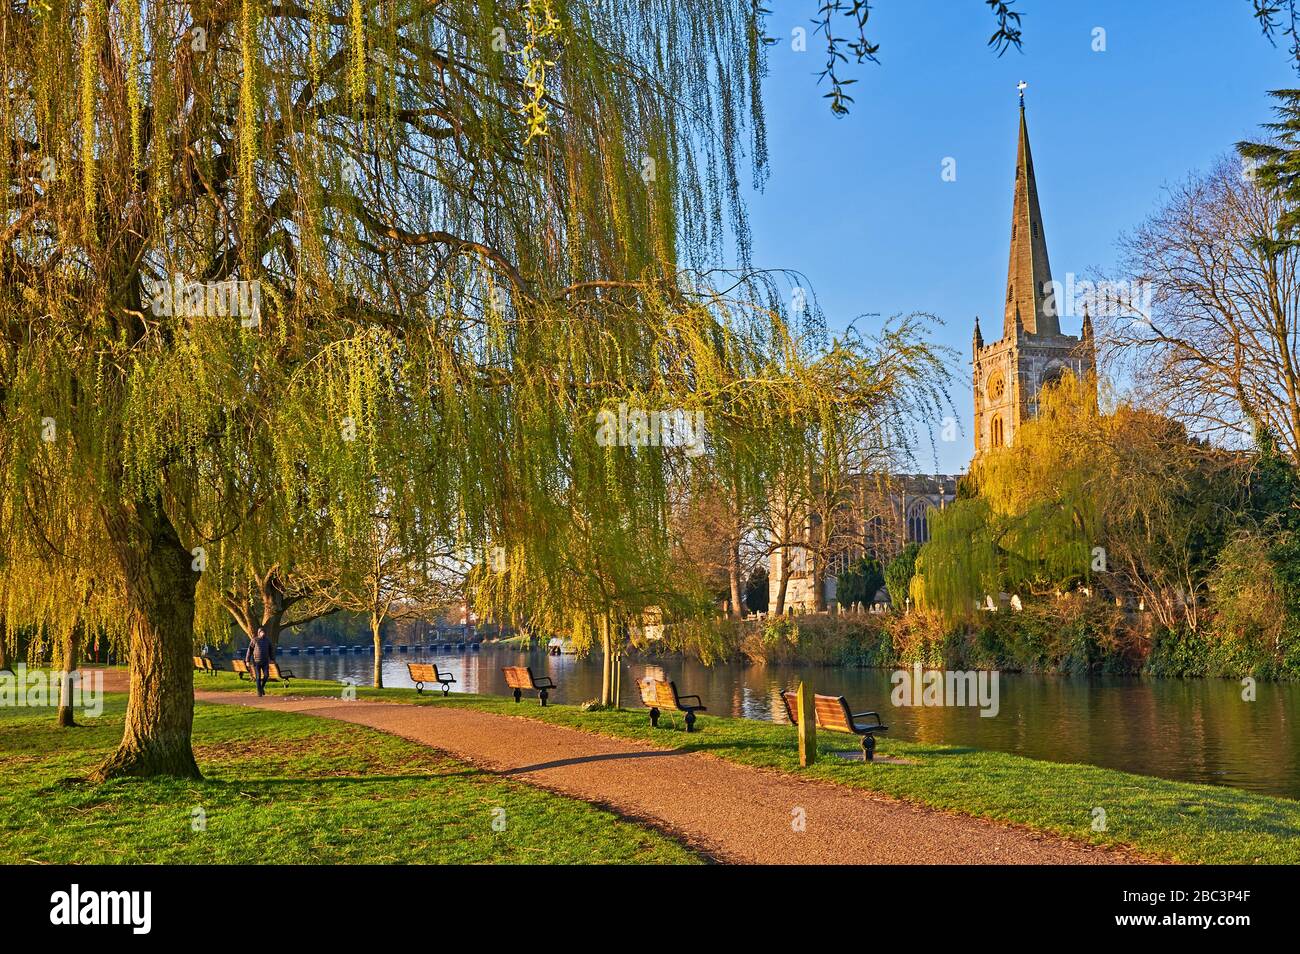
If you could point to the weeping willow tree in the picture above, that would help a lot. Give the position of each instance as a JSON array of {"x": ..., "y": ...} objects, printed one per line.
[
  {"x": 1033, "y": 519},
  {"x": 585, "y": 526},
  {"x": 1124, "y": 501},
  {"x": 449, "y": 224},
  {"x": 594, "y": 553},
  {"x": 53, "y": 587}
]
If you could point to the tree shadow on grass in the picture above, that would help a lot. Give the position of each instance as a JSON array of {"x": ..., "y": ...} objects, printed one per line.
[
  {"x": 219, "y": 782},
  {"x": 586, "y": 759},
  {"x": 316, "y": 780}
]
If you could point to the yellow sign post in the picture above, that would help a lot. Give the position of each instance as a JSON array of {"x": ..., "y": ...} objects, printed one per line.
[{"x": 807, "y": 726}]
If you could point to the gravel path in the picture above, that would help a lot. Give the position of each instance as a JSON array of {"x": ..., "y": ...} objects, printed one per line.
[{"x": 730, "y": 812}]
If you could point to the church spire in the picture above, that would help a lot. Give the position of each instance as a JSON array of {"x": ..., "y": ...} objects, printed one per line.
[{"x": 1028, "y": 273}]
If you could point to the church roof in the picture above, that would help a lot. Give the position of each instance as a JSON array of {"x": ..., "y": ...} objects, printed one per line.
[{"x": 1028, "y": 273}]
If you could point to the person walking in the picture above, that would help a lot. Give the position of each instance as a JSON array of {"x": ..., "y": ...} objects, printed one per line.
[{"x": 259, "y": 657}]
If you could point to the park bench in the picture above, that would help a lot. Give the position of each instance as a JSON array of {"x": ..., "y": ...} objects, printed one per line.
[
  {"x": 275, "y": 673},
  {"x": 521, "y": 679},
  {"x": 833, "y": 713},
  {"x": 662, "y": 694},
  {"x": 204, "y": 664},
  {"x": 428, "y": 672}
]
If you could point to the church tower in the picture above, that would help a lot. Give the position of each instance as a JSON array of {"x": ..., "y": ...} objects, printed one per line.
[{"x": 1032, "y": 351}]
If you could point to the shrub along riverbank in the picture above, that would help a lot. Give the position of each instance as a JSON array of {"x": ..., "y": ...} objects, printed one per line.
[{"x": 1073, "y": 635}]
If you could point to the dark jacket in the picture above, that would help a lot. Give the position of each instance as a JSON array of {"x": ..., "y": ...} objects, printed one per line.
[{"x": 259, "y": 651}]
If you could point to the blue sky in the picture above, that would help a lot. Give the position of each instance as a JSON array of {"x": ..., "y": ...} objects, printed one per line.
[{"x": 859, "y": 206}]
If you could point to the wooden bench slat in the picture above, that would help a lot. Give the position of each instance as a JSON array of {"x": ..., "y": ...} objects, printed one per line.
[
  {"x": 659, "y": 694},
  {"x": 831, "y": 714},
  {"x": 791, "y": 700},
  {"x": 520, "y": 678},
  {"x": 422, "y": 673},
  {"x": 665, "y": 694}
]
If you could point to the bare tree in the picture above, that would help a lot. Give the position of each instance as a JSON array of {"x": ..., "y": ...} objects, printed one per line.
[
  {"x": 380, "y": 580},
  {"x": 1208, "y": 326},
  {"x": 275, "y": 601}
]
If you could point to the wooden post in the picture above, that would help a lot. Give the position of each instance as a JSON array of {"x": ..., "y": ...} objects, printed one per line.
[{"x": 807, "y": 726}]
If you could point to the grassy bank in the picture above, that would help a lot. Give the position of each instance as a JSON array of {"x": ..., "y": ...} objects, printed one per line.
[
  {"x": 1177, "y": 820},
  {"x": 293, "y": 789}
]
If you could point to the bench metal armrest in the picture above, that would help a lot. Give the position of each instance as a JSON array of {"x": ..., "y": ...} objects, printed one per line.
[
  {"x": 543, "y": 683},
  {"x": 869, "y": 712},
  {"x": 698, "y": 701}
]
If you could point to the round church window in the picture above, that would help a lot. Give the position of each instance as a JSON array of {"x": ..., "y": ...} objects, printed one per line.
[{"x": 996, "y": 386}]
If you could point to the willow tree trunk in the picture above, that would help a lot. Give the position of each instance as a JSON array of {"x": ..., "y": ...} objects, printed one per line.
[
  {"x": 618, "y": 673},
  {"x": 607, "y": 675},
  {"x": 273, "y": 603},
  {"x": 273, "y": 608},
  {"x": 70, "y": 652},
  {"x": 159, "y": 585},
  {"x": 375, "y": 627},
  {"x": 818, "y": 585},
  {"x": 733, "y": 576},
  {"x": 778, "y": 606}
]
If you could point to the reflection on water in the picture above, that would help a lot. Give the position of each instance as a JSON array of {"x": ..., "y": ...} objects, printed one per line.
[{"x": 1195, "y": 730}]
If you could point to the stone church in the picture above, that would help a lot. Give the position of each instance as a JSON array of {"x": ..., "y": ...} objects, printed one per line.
[
  {"x": 1032, "y": 351},
  {"x": 1008, "y": 375}
]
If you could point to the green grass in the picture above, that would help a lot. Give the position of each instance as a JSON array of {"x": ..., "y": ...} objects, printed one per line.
[
  {"x": 287, "y": 788},
  {"x": 1161, "y": 818}
]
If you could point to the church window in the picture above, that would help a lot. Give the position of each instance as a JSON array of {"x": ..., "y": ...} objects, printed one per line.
[
  {"x": 997, "y": 386},
  {"x": 1034, "y": 229},
  {"x": 995, "y": 432},
  {"x": 918, "y": 530}
]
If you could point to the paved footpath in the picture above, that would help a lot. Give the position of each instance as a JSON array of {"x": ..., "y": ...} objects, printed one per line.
[{"x": 730, "y": 812}]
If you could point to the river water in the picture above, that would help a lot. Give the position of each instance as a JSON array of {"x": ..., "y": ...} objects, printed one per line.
[{"x": 1196, "y": 730}]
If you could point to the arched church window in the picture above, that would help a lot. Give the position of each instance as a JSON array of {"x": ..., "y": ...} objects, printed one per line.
[
  {"x": 918, "y": 530},
  {"x": 995, "y": 431}
]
